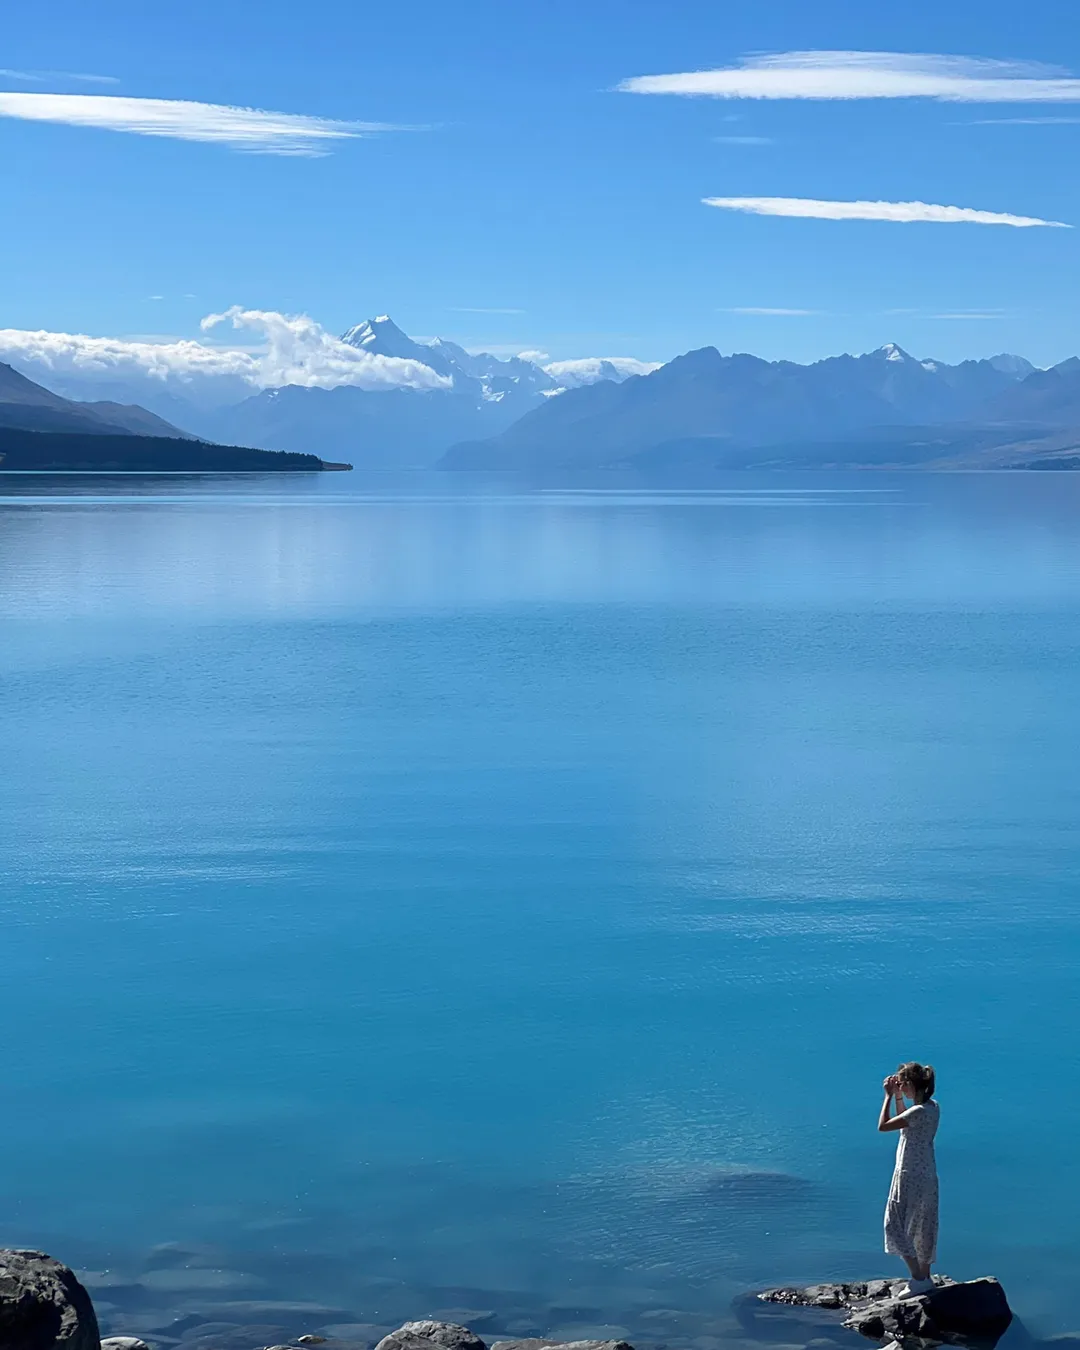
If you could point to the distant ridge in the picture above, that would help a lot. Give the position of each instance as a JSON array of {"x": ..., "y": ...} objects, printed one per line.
[{"x": 884, "y": 407}]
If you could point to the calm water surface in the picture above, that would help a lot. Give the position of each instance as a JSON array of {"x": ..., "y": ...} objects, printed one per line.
[{"x": 523, "y": 892}]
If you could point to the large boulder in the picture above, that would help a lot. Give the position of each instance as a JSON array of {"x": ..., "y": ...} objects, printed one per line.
[
  {"x": 975, "y": 1312},
  {"x": 428, "y": 1334},
  {"x": 43, "y": 1306}
]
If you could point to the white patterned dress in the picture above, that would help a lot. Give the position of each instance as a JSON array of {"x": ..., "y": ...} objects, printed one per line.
[{"x": 911, "y": 1216}]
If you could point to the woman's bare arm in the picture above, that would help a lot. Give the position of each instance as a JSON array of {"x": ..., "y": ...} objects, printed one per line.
[
  {"x": 887, "y": 1122},
  {"x": 883, "y": 1119}
]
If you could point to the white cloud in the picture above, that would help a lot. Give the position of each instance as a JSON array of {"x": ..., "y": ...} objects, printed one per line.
[
  {"x": 536, "y": 356},
  {"x": 593, "y": 369},
  {"x": 77, "y": 361},
  {"x": 250, "y": 129},
  {"x": 1023, "y": 122},
  {"x": 301, "y": 351},
  {"x": 768, "y": 312},
  {"x": 859, "y": 75},
  {"x": 294, "y": 349},
  {"x": 287, "y": 349},
  {"x": 37, "y": 76},
  {"x": 86, "y": 79},
  {"x": 809, "y": 207}
]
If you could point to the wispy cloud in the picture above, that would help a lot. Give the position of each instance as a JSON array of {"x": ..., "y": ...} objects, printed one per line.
[
  {"x": 971, "y": 314},
  {"x": 743, "y": 140},
  {"x": 808, "y": 207},
  {"x": 860, "y": 75},
  {"x": 1023, "y": 122},
  {"x": 469, "y": 309},
  {"x": 593, "y": 369},
  {"x": 250, "y": 129},
  {"x": 39, "y": 76},
  {"x": 767, "y": 311}
]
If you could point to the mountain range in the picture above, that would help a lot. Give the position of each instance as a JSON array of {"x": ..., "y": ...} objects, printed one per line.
[
  {"x": 480, "y": 411},
  {"x": 740, "y": 411},
  {"x": 391, "y": 428}
]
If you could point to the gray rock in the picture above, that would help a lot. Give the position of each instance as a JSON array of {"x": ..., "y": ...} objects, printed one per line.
[
  {"x": 235, "y": 1338},
  {"x": 540, "y": 1343},
  {"x": 124, "y": 1343},
  {"x": 169, "y": 1255},
  {"x": 450, "y": 1335},
  {"x": 43, "y": 1306},
  {"x": 179, "y": 1327},
  {"x": 123, "y": 1291},
  {"x": 950, "y": 1314},
  {"x": 404, "y": 1340}
]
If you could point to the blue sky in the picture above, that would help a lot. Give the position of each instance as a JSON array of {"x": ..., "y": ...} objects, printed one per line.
[{"x": 527, "y": 203}]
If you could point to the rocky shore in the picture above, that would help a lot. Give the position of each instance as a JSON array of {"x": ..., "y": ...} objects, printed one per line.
[{"x": 44, "y": 1305}]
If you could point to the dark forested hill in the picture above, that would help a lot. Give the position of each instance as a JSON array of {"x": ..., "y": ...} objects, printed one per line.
[{"x": 125, "y": 453}]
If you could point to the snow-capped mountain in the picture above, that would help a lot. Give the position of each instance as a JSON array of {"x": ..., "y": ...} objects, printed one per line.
[
  {"x": 513, "y": 380},
  {"x": 405, "y": 427}
]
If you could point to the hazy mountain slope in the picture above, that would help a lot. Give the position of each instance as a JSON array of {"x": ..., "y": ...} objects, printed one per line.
[
  {"x": 955, "y": 445},
  {"x": 139, "y": 421},
  {"x": 30, "y": 406},
  {"x": 17, "y": 390},
  {"x": 740, "y": 401},
  {"x": 404, "y": 428},
  {"x": 1046, "y": 397}
]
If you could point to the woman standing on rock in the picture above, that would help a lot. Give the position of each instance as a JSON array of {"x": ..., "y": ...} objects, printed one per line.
[{"x": 911, "y": 1216}]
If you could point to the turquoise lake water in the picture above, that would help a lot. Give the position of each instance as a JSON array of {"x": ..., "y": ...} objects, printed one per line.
[{"x": 426, "y": 885}]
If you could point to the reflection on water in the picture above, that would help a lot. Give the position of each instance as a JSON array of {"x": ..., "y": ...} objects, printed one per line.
[
  {"x": 326, "y": 545},
  {"x": 435, "y": 891}
]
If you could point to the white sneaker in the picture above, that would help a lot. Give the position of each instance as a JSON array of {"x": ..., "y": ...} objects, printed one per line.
[{"x": 914, "y": 1288}]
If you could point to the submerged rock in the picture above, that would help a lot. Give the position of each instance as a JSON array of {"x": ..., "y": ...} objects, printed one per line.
[
  {"x": 972, "y": 1313},
  {"x": 540, "y": 1343},
  {"x": 43, "y": 1306}
]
